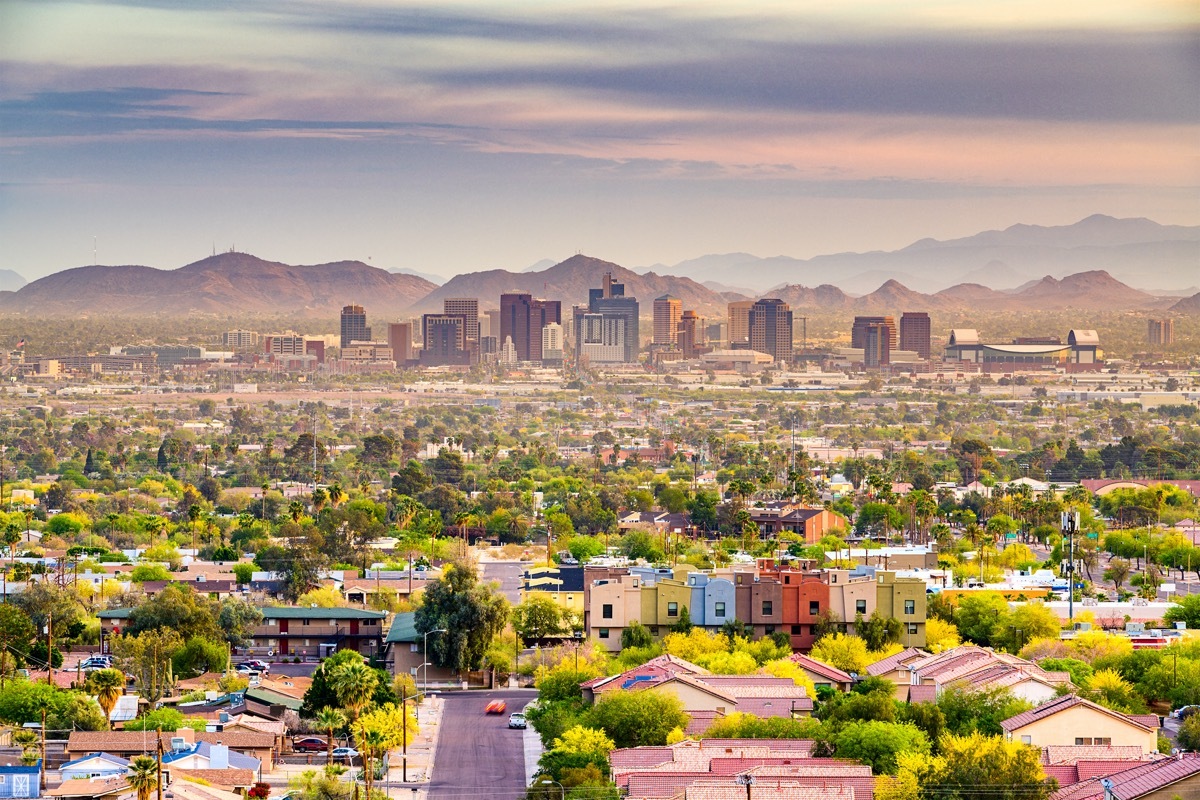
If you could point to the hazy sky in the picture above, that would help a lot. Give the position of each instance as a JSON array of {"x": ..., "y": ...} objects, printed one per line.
[{"x": 458, "y": 136}]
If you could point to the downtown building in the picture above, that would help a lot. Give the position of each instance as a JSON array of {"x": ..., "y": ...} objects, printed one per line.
[
  {"x": 915, "y": 333},
  {"x": 522, "y": 320},
  {"x": 606, "y": 330},
  {"x": 354, "y": 326},
  {"x": 770, "y": 323},
  {"x": 1080, "y": 353}
]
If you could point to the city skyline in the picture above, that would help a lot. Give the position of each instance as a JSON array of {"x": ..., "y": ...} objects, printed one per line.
[{"x": 457, "y": 137}]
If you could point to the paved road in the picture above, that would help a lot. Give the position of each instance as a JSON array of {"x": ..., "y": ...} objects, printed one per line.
[
  {"x": 508, "y": 573},
  {"x": 477, "y": 754}
]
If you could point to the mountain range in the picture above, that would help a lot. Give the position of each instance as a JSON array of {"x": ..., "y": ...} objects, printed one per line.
[
  {"x": 242, "y": 283},
  {"x": 1137, "y": 251}
]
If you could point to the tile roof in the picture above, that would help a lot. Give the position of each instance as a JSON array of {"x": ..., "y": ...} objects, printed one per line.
[
  {"x": 895, "y": 661},
  {"x": 84, "y": 787},
  {"x": 143, "y": 741},
  {"x": 825, "y": 670},
  {"x": 922, "y": 694},
  {"x": 1135, "y": 781},
  {"x": 1061, "y": 704},
  {"x": 232, "y": 776},
  {"x": 1072, "y": 753}
]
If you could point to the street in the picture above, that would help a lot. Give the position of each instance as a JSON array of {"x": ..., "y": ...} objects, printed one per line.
[
  {"x": 477, "y": 754},
  {"x": 507, "y": 574}
]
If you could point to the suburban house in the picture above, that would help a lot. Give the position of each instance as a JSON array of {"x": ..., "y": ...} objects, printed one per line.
[
  {"x": 91, "y": 788},
  {"x": 921, "y": 676},
  {"x": 205, "y": 756},
  {"x": 404, "y": 653},
  {"x": 656, "y": 670},
  {"x": 823, "y": 675},
  {"x": 127, "y": 744},
  {"x": 318, "y": 632},
  {"x": 95, "y": 765},
  {"x": 1161, "y": 779},
  {"x": 1073, "y": 720}
]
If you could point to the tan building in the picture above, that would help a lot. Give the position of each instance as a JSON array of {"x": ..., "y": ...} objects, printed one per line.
[
  {"x": 904, "y": 599},
  {"x": 614, "y": 604},
  {"x": 668, "y": 311},
  {"x": 739, "y": 322},
  {"x": 1072, "y": 720}
]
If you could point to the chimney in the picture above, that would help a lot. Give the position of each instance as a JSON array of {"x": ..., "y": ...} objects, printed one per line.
[
  {"x": 218, "y": 756},
  {"x": 187, "y": 734}
]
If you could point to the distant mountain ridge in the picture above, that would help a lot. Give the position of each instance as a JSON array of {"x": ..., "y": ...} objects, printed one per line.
[
  {"x": 1133, "y": 250},
  {"x": 228, "y": 282}
]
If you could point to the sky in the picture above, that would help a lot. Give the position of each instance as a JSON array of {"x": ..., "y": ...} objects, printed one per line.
[{"x": 458, "y": 136}]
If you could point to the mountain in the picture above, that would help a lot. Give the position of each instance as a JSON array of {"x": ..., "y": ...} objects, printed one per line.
[
  {"x": 1092, "y": 291},
  {"x": 225, "y": 283},
  {"x": 1138, "y": 251},
  {"x": 569, "y": 282},
  {"x": 436, "y": 280},
  {"x": 823, "y": 296},
  {"x": 545, "y": 263},
  {"x": 10, "y": 281},
  {"x": 1188, "y": 305}
]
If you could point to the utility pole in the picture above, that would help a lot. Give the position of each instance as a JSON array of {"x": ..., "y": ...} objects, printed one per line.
[
  {"x": 1070, "y": 524},
  {"x": 159, "y": 755},
  {"x": 49, "y": 651},
  {"x": 43, "y": 775}
]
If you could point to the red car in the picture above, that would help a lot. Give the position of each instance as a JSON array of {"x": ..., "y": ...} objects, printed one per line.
[
  {"x": 496, "y": 707},
  {"x": 310, "y": 744}
]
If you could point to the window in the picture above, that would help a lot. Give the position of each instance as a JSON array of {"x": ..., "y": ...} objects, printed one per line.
[
  {"x": 860, "y": 606},
  {"x": 768, "y": 630},
  {"x": 912, "y": 628},
  {"x": 1026, "y": 740},
  {"x": 672, "y": 609},
  {"x": 606, "y": 611},
  {"x": 910, "y": 606},
  {"x": 719, "y": 609},
  {"x": 1085, "y": 740},
  {"x": 814, "y": 607},
  {"x": 603, "y": 633},
  {"x": 369, "y": 622},
  {"x": 797, "y": 630},
  {"x": 768, "y": 608},
  {"x": 414, "y": 648},
  {"x": 304, "y": 622}
]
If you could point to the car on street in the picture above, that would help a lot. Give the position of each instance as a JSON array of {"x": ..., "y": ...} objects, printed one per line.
[
  {"x": 1183, "y": 712},
  {"x": 310, "y": 744},
  {"x": 344, "y": 753},
  {"x": 517, "y": 720},
  {"x": 261, "y": 666},
  {"x": 496, "y": 707},
  {"x": 246, "y": 669}
]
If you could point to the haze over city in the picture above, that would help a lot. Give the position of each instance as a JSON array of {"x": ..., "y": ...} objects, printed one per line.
[{"x": 454, "y": 137}]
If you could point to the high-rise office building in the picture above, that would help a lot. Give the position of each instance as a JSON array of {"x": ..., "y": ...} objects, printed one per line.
[
  {"x": 619, "y": 322},
  {"x": 514, "y": 322},
  {"x": 240, "y": 340},
  {"x": 876, "y": 345},
  {"x": 739, "y": 322},
  {"x": 1161, "y": 331},
  {"x": 689, "y": 337},
  {"x": 668, "y": 311},
  {"x": 468, "y": 308},
  {"x": 288, "y": 343},
  {"x": 354, "y": 325},
  {"x": 400, "y": 339},
  {"x": 542, "y": 313},
  {"x": 915, "y": 333},
  {"x": 552, "y": 343},
  {"x": 445, "y": 341},
  {"x": 859, "y": 332},
  {"x": 771, "y": 329}
]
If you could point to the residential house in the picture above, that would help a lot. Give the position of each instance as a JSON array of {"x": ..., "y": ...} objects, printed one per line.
[
  {"x": 969, "y": 666},
  {"x": 657, "y": 669},
  {"x": 94, "y": 765},
  {"x": 562, "y": 584},
  {"x": 1161, "y": 779},
  {"x": 206, "y": 756},
  {"x": 130, "y": 743},
  {"x": 404, "y": 652},
  {"x": 1071, "y": 719},
  {"x": 91, "y": 788},
  {"x": 905, "y": 600},
  {"x": 822, "y": 675},
  {"x": 812, "y": 523}
]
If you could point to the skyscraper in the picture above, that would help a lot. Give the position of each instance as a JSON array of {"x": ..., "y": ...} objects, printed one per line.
[
  {"x": 445, "y": 341},
  {"x": 610, "y": 302},
  {"x": 690, "y": 335},
  {"x": 668, "y": 311},
  {"x": 859, "y": 332},
  {"x": 514, "y": 322},
  {"x": 541, "y": 314},
  {"x": 468, "y": 308},
  {"x": 915, "y": 332},
  {"x": 739, "y": 322},
  {"x": 771, "y": 329},
  {"x": 400, "y": 339},
  {"x": 1161, "y": 331},
  {"x": 876, "y": 345},
  {"x": 354, "y": 325}
]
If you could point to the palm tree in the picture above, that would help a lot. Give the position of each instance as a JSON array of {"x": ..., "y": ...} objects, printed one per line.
[
  {"x": 143, "y": 776},
  {"x": 354, "y": 684},
  {"x": 373, "y": 744},
  {"x": 108, "y": 684},
  {"x": 336, "y": 495},
  {"x": 330, "y": 719}
]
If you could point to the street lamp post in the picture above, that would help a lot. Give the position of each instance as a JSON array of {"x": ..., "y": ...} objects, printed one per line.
[
  {"x": 548, "y": 781},
  {"x": 425, "y": 652}
]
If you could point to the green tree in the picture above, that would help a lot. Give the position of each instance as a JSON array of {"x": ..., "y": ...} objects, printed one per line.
[
  {"x": 16, "y": 634},
  {"x": 1185, "y": 610},
  {"x": 977, "y": 614},
  {"x": 968, "y": 711},
  {"x": 878, "y": 743},
  {"x": 636, "y": 635},
  {"x": 472, "y": 614},
  {"x": 330, "y": 720},
  {"x": 197, "y": 656},
  {"x": 143, "y": 776},
  {"x": 354, "y": 683},
  {"x": 847, "y": 653},
  {"x": 164, "y": 719},
  {"x": 634, "y": 719},
  {"x": 147, "y": 656},
  {"x": 321, "y": 694},
  {"x": 108, "y": 685},
  {"x": 537, "y": 617}
]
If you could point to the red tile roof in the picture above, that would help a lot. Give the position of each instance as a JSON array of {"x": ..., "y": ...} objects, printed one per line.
[
  {"x": 1136, "y": 781},
  {"x": 821, "y": 668},
  {"x": 1062, "y": 704}
]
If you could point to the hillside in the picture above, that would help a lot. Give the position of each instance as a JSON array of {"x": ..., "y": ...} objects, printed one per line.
[
  {"x": 569, "y": 282},
  {"x": 1188, "y": 305},
  {"x": 225, "y": 283},
  {"x": 1138, "y": 251}
]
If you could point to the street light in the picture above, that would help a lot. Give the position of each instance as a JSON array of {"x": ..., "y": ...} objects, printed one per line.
[
  {"x": 547, "y": 781},
  {"x": 426, "y": 654}
]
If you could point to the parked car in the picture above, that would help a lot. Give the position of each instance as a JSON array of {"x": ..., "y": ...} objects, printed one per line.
[
  {"x": 344, "y": 753},
  {"x": 261, "y": 666},
  {"x": 1183, "y": 712},
  {"x": 496, "y": 707},
  {"x": 517, "y": 720},
  {"x": 310, "y": 744},
  {"x": 246, "y": 669}
]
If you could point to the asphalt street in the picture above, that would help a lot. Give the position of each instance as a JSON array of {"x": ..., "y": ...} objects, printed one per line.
[
  {"x": 477, "y": 754},
  {"x": 508, "y": 574}
]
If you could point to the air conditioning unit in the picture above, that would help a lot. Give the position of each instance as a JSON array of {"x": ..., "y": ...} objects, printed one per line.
[{"x": 178, "y": 744}]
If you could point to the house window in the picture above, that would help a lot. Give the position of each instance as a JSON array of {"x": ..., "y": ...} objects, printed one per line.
[
  {"x": 719, "y": 609},
  {"x": 3, "y": 779},
  {"x": 307, "y": 643},
  {"x": 860, "y": 606},
  {"x": 603, "y": 633},
  {"x": 414, "y": 648},
  {"x": 910, "y": 606},
  {"x": 812, "y": 630},
  {"x": 767, "y": 608},
  {"x": 814, "y": 607},
  {"x": 606, "y": 610},
  {"x": 768, "y": 630},
  {"x": 912, "y": 628},
  {"x": 672, "y": 609},
  {"x": 797, "y": 630},
  {"x": 1026, "y": 740},
  {"x": 304, "y": 622}
]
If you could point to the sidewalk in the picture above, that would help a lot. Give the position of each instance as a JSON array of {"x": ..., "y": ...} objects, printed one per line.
[{"x": 421, "y": 748}]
